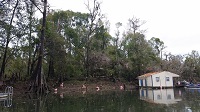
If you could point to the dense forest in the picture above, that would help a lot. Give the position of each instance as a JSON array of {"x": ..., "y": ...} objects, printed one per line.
[{"x": 68, "y": 45}]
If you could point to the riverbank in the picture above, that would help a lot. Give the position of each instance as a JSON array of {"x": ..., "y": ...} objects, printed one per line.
[
  {"x": 70, "y": 87},
  {"x": 94, "y": 87}
]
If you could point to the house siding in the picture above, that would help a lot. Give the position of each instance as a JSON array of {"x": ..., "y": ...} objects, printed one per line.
[
  {"x": 162, "y": 80},
  {"x": 149, "y": 82}
]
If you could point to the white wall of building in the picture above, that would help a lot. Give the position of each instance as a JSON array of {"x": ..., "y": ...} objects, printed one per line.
[{"x": 162, "y": 79}]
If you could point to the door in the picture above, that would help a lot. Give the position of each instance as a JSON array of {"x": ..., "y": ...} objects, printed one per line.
[{"x": 141, "y": 82}]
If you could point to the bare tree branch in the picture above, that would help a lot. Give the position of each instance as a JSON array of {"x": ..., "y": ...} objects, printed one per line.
[{"x": 33, "y": 1}]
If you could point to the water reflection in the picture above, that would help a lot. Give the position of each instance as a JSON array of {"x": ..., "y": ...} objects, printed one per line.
[
  {"x": 193, "y": 91},
  {"x": 143, "y": 100},
  {"x": 159, "y": 96},
  {"x": 6, "y": 101},
  {"x": 188, "y": 109}
]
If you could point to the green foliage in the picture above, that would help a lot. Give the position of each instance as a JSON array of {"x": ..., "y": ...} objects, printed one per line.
[
  {"x": 157, "y": 45},
  {"x": 79, "y": 43},
  {"x": 138, "y": 52},
  {"x": 191, "y": 66}
]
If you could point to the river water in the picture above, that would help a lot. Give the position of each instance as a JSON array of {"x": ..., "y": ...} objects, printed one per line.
[{"x": 143, "y": 100}]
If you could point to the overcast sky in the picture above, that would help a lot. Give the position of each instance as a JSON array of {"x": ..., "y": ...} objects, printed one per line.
[{"x": 175, "y": 22}]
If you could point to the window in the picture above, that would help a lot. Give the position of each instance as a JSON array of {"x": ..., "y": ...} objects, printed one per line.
[
  {"x": 159, "y": 97},
  {"x": 157, "y": 79},
  {"x": 167, "y": 78},
  {"x": 169, "y": 97}
]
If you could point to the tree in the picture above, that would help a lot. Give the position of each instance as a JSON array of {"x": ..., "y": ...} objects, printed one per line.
[
  {"x": 191, "y": 66},
  {"x": 8, "y": 30},
  {"x": 157, "y": 45},
  {"x": 55, "y": 50},
  {"x": 101, "y": 38},
  {"x": 173, "y": 63},
  {"x": 38, "y": 81},
  {"x": 31, "y": 29},
  {"x": 117, "y": 33},
  {"x": 65, "y": 33},
  {"x": 135, "y": 24},
  {"x": 94, "y": 17},
  {"x": 99, "y": 60},
  {"x": 138, "y": 52}
]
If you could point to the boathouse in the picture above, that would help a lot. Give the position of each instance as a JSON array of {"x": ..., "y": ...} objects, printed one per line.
[{"x": 157, "y": 79}]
